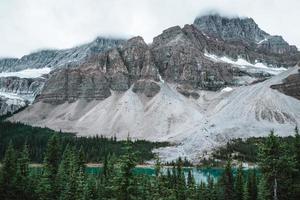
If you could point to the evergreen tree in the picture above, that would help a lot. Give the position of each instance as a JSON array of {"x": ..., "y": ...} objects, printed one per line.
[
  {"x": 202, "y": 192},
  {"x": 191, "y": 186},
  {"x": 157, "y": 167},
  {"x": 52, "y": 156},
  {"x": 211, "y": 192},
  {"x": 263, "y": 193},
  {"x": 81, "y": 187},
  {"x": 246, "y": 191},
  {"x": 44, "y": 188},
  {"x": 228, "y": 182},
  {"x": 124, "y": 178},
  {"x": 180, "y": 181},
  {"x": 278, "y": 164},
  {"x": 51, "y": 163},
  {"x": 23, "y": 182},
  {"x": 296, "y": 188},
  {"x": 81, "y": 159},
  {"x": 269, "y": 162},
  {"x": 239, "y": 181},
  {"x": 71, "y": 171},
  {"x": 8, "y": 174},
  {"x": 252, "y": 185}
]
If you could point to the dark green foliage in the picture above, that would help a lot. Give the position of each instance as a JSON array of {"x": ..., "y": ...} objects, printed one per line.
[
  {"x": 252, "y": 185},
  {"x": 8, "y": 174},
  {"x": 239, "y": 181},
  {"x": 278, "y": 165},
  {"x": 263, "y": 193},
  {"x": 228, "y": 182},
  {"x": 296, "y": 145},
  {"x": 245, "y": 150},
  {"x": 63, "y": 177},
  {"x": 93, "y": 149}
]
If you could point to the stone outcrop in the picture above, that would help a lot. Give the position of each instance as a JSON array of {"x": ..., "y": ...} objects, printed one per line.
[
  {"x": 290, "y": 86},
  {"x": 59, "y": 58},
  {"x": 232, "y": 29},
  {"x": 179, "y": 55},
  {"x": 21, "y": 86},
  {"x": 242, "y": 37},
  {"x": 113, "y": 70},
  {"x": 16, "y": 92},
  {"x": 276, "y": 44},
  {"x": 9, "y": 106}
]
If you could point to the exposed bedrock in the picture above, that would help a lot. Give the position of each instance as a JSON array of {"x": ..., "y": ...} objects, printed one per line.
[{"x": 290, "y": 86}]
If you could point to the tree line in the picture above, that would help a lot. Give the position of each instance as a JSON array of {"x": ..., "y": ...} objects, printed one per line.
[
  {"x": 64, "y": 177},
  {"x": 94, "y": 147}
]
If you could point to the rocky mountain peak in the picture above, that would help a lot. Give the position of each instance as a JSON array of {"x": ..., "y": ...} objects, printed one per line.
[
  {"x": 230, "y": 28},
  {"x": 59, "y": 58},
  {"x": 243, "y": 30}
]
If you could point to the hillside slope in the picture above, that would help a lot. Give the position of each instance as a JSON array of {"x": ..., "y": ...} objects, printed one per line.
[{"x": 194, "y": 125}]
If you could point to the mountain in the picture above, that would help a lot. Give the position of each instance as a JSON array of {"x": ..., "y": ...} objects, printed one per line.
[
  {"x": 16, "y": 93},
  {"x": 243, "y": 30},
  {"x": 17, "y": 75},
  {"x": 58, "y": 58},
  {"x": 190, "y": 86}
]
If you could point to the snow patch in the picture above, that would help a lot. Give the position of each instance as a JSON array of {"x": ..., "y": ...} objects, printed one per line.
[
  {"x": 27, "y": 73},
  {"x": 160, "y": 78},
  {"x": 244, "y": 64},
  {"x": 227, "y": 89},
  {"x": 266, "y": 39}
]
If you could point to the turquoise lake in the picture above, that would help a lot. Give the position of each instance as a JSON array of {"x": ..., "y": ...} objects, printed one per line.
[{"x": 200, "y": 174}]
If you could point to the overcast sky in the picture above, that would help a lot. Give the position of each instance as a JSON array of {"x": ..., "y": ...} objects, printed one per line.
[{"x": 29, "y": 25}]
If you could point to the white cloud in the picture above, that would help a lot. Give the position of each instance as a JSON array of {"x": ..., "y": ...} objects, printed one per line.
[{"x": 28, "y": 25}]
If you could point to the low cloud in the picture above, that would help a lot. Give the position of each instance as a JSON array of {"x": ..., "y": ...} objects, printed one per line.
[{"x": 28, "y": 25}]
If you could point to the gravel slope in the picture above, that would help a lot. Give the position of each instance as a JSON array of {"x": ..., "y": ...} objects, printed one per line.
[{"x": 195, "y": 126}]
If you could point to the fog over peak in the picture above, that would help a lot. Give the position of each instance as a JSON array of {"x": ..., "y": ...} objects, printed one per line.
[{"x": 28, "y": 25}]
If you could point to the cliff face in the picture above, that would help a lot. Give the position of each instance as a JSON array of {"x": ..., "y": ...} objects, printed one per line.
[
  {"x": 58, "y": 58},
  {"x": 116, "y": 69},
  {"x": 177, "y": 55},
  {"x": 246, "y": 33},
  {"x": 16, "y": 92},
  {"x": 234, "y": 29}
]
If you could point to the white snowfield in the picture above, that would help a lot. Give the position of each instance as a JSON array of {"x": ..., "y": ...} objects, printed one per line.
[
  {"x": 244, "y": 64},
  {"x": 193, "y": 126},
  {"x": 27, "y": 73}
]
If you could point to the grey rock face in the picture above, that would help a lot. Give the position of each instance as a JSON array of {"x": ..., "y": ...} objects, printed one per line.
[
  {"x": 116, "y": 69},
  {"x": 16, "y": 93},
  {"x": 187, "y": 91},
  {"x": 179, "y": 55},
  {"x": 290, "y": 86},
  {"x": 59, "y": 58},
  {"x": 6, "y": 63},
  {"x": 149, "y": 88},
  {"x": 21, "y": 86},
  {"x": 71, "y": 84},
  {"x": 9, "y": 106},
  {"x": 276, "y": 44},
  {"x": 245, "y": 31}
]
